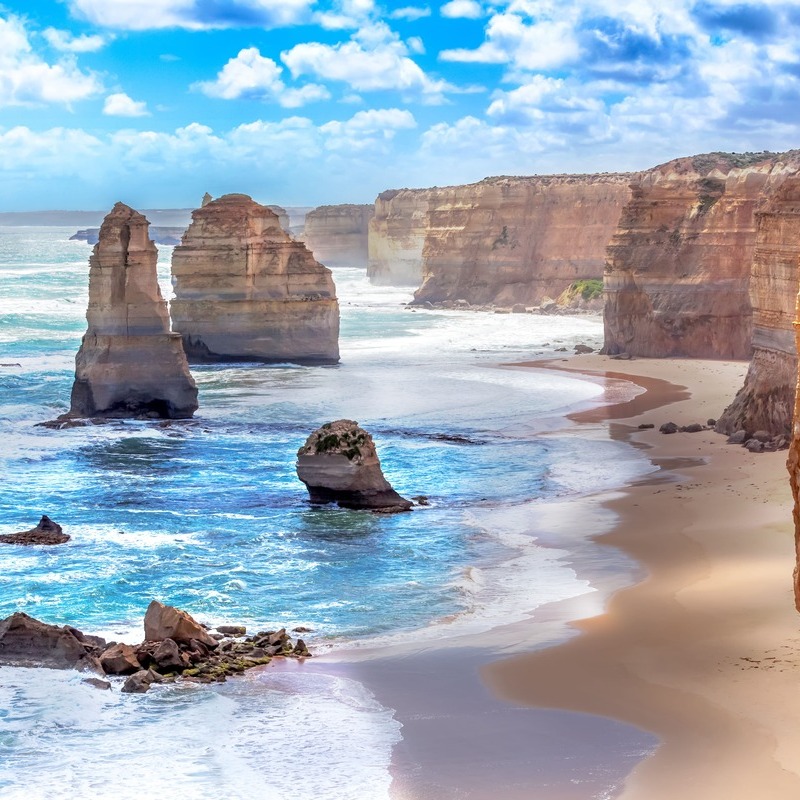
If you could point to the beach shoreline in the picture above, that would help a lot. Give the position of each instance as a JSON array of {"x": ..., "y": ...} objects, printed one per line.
[{"x": 704, "y": 651}]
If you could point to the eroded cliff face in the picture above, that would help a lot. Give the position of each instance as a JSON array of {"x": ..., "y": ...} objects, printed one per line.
[
  {"x": 766, "y": 401},
  {"x": 337, "y": 235},
  {"x": 129, "y": 363},
  {"x": 396, "y": 237},
  {"x": 793, "y": 465},
  {"x": 244, "y": 290},
  {"x": 677, "y": 278}
]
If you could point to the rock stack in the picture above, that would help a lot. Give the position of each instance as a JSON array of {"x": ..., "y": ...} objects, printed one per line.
[
  {"x": 129, "y": 363},
  {"x": 246, "y": 291},
  {"x": 339, "y": 464},
  {"x": 793, "y": 465}
]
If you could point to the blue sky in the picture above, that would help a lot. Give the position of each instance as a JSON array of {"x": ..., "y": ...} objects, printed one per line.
[{"x": 303, "y": 102}]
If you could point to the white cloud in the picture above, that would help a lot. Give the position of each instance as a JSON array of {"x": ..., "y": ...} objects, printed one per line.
[
  {"x": 410, "y": 13},
  {"x": 462, "y": 9},
  {"x": 191, "y": 14},
  {"x": 66, "y": 42},
  {"x": 249, "y": 74},
  {"x": 365, "y": 130},
  {"x": 26, "y": 79},
  {"x": 416, "y": 45},
  {"x": 121, "y": 105},
  {"x": 374, "y": 59}
]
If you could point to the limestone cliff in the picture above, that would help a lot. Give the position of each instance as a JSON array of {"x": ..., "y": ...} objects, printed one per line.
[
  {"x": 793, "y": 465},
  {"x": 129, "y": 364},
  {"x": 396, "y": 237},
  {"x": 678, "y": 268},
  {"x": 766, "y": 400},
  {"x": 337, "y": 235},
  {"x": 244, "y": 290}
]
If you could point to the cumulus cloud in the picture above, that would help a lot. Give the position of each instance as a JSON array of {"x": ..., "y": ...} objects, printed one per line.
[
  {"x": 251, "y": 75},
  {"x": 462, "y": 9},
  {"x": 121, "y": 105},
  {"x": 191, "y": 14},
  {"x": 374, "y": 59},
  {"x": 410, "y": 13},
  {"x": 27, "y": 79},
  {"x": 367, "y": 129},
  {"x": 67, "y": 42}
]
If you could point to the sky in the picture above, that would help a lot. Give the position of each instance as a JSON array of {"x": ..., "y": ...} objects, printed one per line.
[{"x": 304, "y": 102}]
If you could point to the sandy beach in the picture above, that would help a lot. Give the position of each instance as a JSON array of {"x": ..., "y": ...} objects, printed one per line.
[{"x": 705, "y": 651}]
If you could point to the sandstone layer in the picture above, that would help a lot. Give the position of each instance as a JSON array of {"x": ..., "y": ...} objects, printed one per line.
[
  {"x": 339, "y": 464},
  {"x": 129, "y": 363},
  {"x": 766, "y": 401},
  {"x": 244, "y": 290},
  {"x": 793, "y": 465},
  {"x": 337, "y": 235},
  {"x": 677, "y": 278}
]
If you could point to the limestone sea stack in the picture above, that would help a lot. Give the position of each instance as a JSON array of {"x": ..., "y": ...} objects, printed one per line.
[
  {"x": 246, "y": 291},
  {"x": 337, "y": 235},
  {"x": 678, "y": 270},
  {"x": 339, "y": 464},
  {"x": 129, "y": 363}
]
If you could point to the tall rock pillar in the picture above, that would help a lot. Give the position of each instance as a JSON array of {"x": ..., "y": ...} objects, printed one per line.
[
  {"x": 129, "y": 363},
  {"x": 793, "y": 465}
]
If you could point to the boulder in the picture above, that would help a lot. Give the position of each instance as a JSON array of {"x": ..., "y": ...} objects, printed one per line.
[
  {"x": 754, "y": 446},
  {"x": 168, "y": 657},
  {"x": 646, "y": 426},
  {"x": 580, "y": 349},
  {"x": 129, "y": 363},
  {"x": 695, "y": 427},
  {"x": 339, "y": 464},
  {"x": 141, "y": 681},
  {"x": 46, "y": 532},
  {"x": 739, "y": 437},
  {"x": 669, "y": 427},
  {"x": 232, "y": 630},
  {"x": 27, "y": 642},
  {"x": 762, "y": 436},
  {"x": 120, "y": 659},
  {"x": 165, "y": 622}
]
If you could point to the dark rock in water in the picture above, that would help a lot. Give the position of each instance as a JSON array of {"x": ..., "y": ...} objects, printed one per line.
[
  {"x": 669, "y": 427},
  {"x": 339, "y": 464},
  {"x": 740, "y": 437},
  {"x": 695, "y": 427},
  {"x": 519, "y": 308},
  {"x": 646, "y": 425},
  {"x": 46, "y": 532},
  {"x": 98, "y": 683},
  {"x": 421, "y": 500},
  {"x": 302, "y": 629},
  {"x": 27, "y": 642},
  {"x": 120, "y": 659},
  {"x": 165, "y": 622},
  {"x": 580, "y": 349},
  {"x": 141, "y": 681},
  {"x": 300, "y": 648},
  {"x": 232, "y": 630}
]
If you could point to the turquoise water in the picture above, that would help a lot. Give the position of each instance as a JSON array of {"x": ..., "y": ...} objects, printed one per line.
[{"x": 208, "y": 515}]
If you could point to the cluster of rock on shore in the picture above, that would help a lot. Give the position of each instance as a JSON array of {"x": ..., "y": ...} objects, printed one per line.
[
  {"x": 758, "y": 442},
  {"x": 176, "y": 647}
]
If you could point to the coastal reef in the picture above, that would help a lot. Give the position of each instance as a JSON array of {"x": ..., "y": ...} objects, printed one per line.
[
  {"x": 339, "y": 464},
  {"x": 46, "y": 532},
  {"x": 176, "y": 647},
  {"x": 129, "y": 363},
  {"x": 337, "y": 235},
  {"x": 246, "y": 291},
  {"x": 677, "y": 279},
  {"x": 502, "y": 241},
  {"x": 766, "y": 401}
]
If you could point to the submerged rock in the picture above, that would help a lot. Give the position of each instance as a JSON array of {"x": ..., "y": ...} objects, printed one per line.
[
  {"x": 339, "y": 464},
  {"x": 46, "y": 532},
  {"x": 28, "y": 642},
  {"x": 129, "y": 363}
]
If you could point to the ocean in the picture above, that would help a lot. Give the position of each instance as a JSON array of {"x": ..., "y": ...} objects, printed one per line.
[{"x": 208, "y": 515}]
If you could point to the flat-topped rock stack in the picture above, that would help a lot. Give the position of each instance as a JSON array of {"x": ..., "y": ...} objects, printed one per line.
[
  {"x": 246, "y": 291},
  {"x": 129, "y": 363},
  {"x": 337, "y": 235}
]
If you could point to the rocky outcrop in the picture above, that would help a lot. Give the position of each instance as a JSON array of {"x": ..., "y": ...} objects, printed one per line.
[
  {"x": 339, "y": 464},
  {"x": 793, "y": 465},
  {"x": 129, "y": 363},
  {"x": 678, "y": 270},
  {"x": 244, "y": 290},
  {"x": 46, "y": 532},
  {"x": 160, "y": 235},
  {"x": 27, "y": 642},
  {"x": 337, "y": 235},
  {"x": 507, "y": 241},
  {"x": 396, "y": 237},
  {"x": 165, "y": 622},
  {"x": 766, "y": 401}
]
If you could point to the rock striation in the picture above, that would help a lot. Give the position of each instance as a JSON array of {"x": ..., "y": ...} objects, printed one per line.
[
  {"x": 129, "y": 363},
  {"x": 160, "y": 235},
  {"x": 502, "y": 241},
  {"x": 337, "y": 235},
  {"x": 46, "y": 532},
  {"x": 246, "y": 291},
  {"x": 766, "y": 401},
  {"x": 677, "y": 279},
  {"x": 339, "y": 464},
  {"x": 793, "y": 465}
]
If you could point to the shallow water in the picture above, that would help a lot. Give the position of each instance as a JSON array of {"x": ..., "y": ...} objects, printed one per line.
[{"x": 208, "y": 515}]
